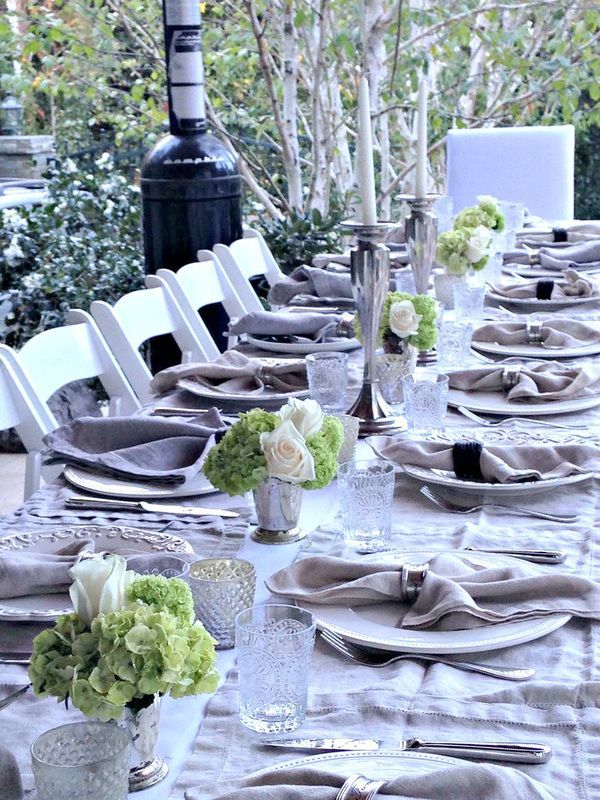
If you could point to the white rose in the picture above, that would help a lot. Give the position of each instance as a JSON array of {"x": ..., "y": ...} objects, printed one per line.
[
  {"x": 403, "y": 319},
  {"x": 99, "y": 586},
  {"x": 306, "y": 415},
  {"x": 286, "y": 453},
  {"x": 478, "y": 245}
]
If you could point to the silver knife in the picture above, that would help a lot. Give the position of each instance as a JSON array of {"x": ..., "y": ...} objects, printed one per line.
[
  {"x": 142, "y": 505},
  {"x": 6, "y": 701},
  {"x": 535, "y": 556},
  {"x": 517, "y": 752}
]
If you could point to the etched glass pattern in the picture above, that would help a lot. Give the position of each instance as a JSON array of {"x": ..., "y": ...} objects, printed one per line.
[
  {"x": 221, "y": 588},
  {"x": 468, "y": 301},
  {"x": 425, "y": 402},
  {"x": 327, "y": 375},
  {"x": 84, "y": 760},
  {"x": 454, "y": 345},
  {"x": 157, "y": 564},
  {"x": 367, "y": 493},
  {"x": 391, "y": 369},
  {"x": 273, "y": 647}
]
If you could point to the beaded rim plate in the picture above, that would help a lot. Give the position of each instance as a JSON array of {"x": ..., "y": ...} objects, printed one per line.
[
  {"x": 339, "y": 346},
  {"x": 496, "y": 403},
  {"x": 111, "y": 538},
  {"x": 536, "y": 350},
  {"x": 531, "y": 304}
]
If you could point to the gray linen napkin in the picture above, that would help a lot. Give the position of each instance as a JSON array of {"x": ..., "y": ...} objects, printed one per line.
[
  {"x": 555, "y": 333},
  {"x": 397, "y": 258},
  {"x": 314, "y": 283},
  {"x": 303, "y": 327},
  {"x": 456, "y": 593},
  {"x": 10, "y": 776},
  {"x": 233, "y": 372},
  {"x": 536, "y": 381},
  {"x": 24, "y": 573},
  {"x": 573, "y": 284},
  {"x": 465, "y": 781},
  {"x": 576, "y": 232},
  {"x": 501, "y": 463},
  {"x": 152, "y": 449}
]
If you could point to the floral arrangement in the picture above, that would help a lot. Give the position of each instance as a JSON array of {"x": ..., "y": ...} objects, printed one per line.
[
  {"x": 131, "y": 637},
  {"x": 408, "y": 317},
  {"x": 467, "y": 246},
  {"x": 298, "y": 444}
]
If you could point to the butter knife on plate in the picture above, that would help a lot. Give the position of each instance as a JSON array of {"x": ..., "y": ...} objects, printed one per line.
[
  {"x": 141, "y": 505},
  {"x": 517, "y": 752}
]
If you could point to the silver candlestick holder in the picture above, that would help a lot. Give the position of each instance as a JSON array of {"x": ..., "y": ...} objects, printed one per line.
[
  {"x": 370, "y": 276},
  {"x": 420, "y": 229}
]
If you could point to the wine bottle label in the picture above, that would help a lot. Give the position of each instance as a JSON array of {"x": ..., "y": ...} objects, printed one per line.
[{"x": 182, "y": 12}]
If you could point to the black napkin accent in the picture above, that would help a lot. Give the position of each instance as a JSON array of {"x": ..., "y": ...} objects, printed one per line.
[
  {"x": 560, "y": 234},
  {"x": 543, "y": 290},
  {"x": 465, "y": 459}
]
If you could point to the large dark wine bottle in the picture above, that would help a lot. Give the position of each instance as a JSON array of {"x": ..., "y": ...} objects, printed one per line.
[{"x": 191, "y": 187}]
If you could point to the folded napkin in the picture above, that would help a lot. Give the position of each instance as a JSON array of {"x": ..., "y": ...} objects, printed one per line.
[
  {"x": 576, "y": 232},
  {"x": 583, "y": 256},
  {"x": 536, "y": 381},
  {"x": 573, "y": 284},
  {"x": 10, "y": 776},
  {"x": 233, "y": 372},
  {"x": 554, "y": 333},
  {"x": 457, "y": 593},
  {"x": 465, "y": 781},
  {"x": 303, "y": 327},
  {"x": 496, "y": 463},
  {"x": 312, "y": 284},
  {"x": 23, "y": 572},
  {"x": 150, "y": 449},
  {"x": 398, "y": 257}
]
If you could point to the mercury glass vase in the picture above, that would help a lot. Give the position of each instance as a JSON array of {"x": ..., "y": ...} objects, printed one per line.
[
  {"x": 146, "y": 768},
  {"x": 277, "y": 506}
]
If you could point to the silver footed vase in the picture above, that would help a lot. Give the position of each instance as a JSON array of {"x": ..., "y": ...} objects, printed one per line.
[
  {"x": 146, "y": 767},
  {"x": 278, "y": 505}
]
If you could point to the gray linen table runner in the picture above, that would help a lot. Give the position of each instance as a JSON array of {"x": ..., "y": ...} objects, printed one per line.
[
  {"x": 583, "y": 256},
  {"x": 234, "y": 373},
  {"x": 538, "y": 382},
  {"x": 573, "y": 284},
  {"x": 314, "y": 283},
  {"x": 554, "y": 333},
  {"x": 25, "y": 572},
  {"x": 303, "y": 327},
  {"x": 500, "y": 462}
]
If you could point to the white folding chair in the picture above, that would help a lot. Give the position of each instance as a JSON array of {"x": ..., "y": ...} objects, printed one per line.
[
  {"x": 17, "y": 411},
  {"x": 531, "y": 165},
  {"x": 248, "y": 258},
  {"x": 133, "y": 320},
  {"x": 197, "y": 285}
]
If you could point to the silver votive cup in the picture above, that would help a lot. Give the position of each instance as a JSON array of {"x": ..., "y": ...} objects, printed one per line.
[{"x": 221, "y": 588}]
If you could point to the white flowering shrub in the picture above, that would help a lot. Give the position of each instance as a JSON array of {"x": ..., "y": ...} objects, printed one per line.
[{"x": 84, "y": 243}]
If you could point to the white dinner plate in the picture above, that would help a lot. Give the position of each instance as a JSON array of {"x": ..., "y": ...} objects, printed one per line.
[
  {"x": 446, "y": 478},
  {"x": 339, "y": 346},
  {"x": 534, "y": 351},
  {"x": 525, "y": 271},
  {"x": 380, "y": 765},
  {"x": 376, "y": 625},
  {"x": 530, "y": 304},
  {"x": 264, "y": 400},
  {"x": 108, "y": 486},
  {"x": 109, "y": 538},
  {"x": 496, "y": 403}
]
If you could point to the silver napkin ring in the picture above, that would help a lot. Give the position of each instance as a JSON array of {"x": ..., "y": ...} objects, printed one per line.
[
  {"x": 265, "y": 375},
  {"x": 533, "y": 332},
  {"x": 535, "y": 260},
  {"x": 357, "y": 787},
  {"x": 412, "y": 577},
  {"x": 510, "y": 376}
]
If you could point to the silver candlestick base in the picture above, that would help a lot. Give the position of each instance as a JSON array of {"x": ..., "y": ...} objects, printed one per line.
[
  {"x": 420, "y": 229},
  {"x": 370, "y": 275}
]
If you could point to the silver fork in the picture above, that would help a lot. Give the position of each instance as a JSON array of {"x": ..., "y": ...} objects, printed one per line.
[
  {"x": 491, "y": 423},
  {"x": 453, "y": 508},
  {"x": 382, "y": 658}
]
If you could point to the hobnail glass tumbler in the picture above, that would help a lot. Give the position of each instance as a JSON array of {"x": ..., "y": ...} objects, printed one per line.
[
  {"x": 469, "y": 299},
  {"x": 273, "y": 645},
  {"x": 454, "y": 344},
  {"x": 83, "y": 760},
  {"x": 327, "y": 375},
  {"x": 221, "y": 588},
  {"x": 367, "y": 493},
  {"x": 425, "y": 402}
]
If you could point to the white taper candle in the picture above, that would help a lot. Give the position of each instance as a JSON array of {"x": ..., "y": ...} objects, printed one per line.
[
  {"x": 364, "y": 155},
  {"x": 421, "y": 176}
]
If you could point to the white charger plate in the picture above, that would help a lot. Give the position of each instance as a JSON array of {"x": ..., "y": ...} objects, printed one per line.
[
  {"x": 536, "y": 350},
  {"x": 107, "y": 486},
  {"x": 375, "y": 625},
  {"x": 496, "y": 403},
  {"x": 530, "y": 304},
  {"x": 110, "y": 538},
  {"x": 339, "y": 346},
  {"x": 265, "y": 400}
]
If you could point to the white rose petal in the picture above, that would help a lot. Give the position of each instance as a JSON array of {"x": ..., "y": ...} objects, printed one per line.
[
  {"x": 286, "y": 453},
  {"x": 306, "y": 415},
  {"x": 403, "y": 319},
  {"x": 98, "y": 586},
  {"x": 479, "y": 244}
]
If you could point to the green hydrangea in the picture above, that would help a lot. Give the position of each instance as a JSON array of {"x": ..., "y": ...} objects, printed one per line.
[
  {"x": 325, "y": 447},
  {"x": 452, "y": 252},
  {"x": 169, "y": 594},
  {"x": 486, "y": 213},
  {"x": 424, "y": 305},
  {"x": 237, "y": 464}
]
